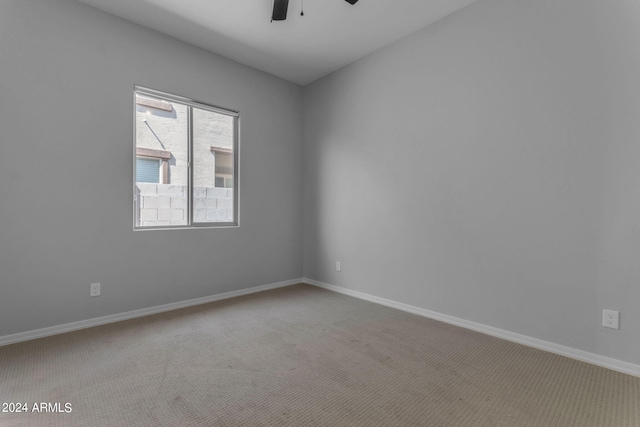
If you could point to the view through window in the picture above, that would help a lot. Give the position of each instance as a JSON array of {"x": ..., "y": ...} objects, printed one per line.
[{"x": 185, "y": 162}]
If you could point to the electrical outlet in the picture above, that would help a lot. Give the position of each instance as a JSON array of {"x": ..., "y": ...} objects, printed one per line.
[
  {"x": 338, "y": 266},
  {"x": 94, "y": 289},
  {"x": 611, "y": 319}
]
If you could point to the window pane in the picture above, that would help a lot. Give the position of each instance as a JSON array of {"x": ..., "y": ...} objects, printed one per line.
[
  {"x": 161, "y": 136},
  {"x": 213, "y": 166}
]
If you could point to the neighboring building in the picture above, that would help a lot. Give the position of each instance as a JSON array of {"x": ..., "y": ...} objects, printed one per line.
[{"x": 161, "y": 151}]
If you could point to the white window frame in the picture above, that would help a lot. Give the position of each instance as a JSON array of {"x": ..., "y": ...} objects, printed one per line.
[{"x": 190, "y": 103}]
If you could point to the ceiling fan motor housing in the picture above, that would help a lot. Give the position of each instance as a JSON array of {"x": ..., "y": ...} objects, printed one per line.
[{"x": 280, "y": 10}]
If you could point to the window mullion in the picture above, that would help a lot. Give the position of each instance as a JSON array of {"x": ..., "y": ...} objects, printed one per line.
[{"x": 190, "y": 194}]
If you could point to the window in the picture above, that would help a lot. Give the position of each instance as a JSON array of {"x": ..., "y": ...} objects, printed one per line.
[
  {"x": 223, "y": 167},
  {"x": 152, "y": 165},
  {"x": 147, "y": 170},
  {"x": 186, "y": 163}
]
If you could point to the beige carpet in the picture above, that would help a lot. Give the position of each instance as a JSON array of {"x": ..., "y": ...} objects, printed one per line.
[{"x": 303, "y": 356}]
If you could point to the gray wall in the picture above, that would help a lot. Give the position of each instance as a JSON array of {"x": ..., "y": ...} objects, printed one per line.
[
  {"x": 487, "y": 167},
  {"x": 67, "y": 73}
]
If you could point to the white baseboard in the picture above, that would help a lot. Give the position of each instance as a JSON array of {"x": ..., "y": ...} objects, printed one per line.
[
  {"x": 606, "y": 362},
  {"x": 97, "y": 321}
]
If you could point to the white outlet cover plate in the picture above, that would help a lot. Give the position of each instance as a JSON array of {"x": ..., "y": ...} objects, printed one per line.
[
  {"x": 94, "y": 289},
  {"x": 611, "y": 319}
]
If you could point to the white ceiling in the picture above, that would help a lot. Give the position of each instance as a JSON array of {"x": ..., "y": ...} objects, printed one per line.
[{"x": 330, "y": 35}]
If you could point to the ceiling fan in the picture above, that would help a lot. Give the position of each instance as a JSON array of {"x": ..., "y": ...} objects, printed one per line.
[{"x": 280, "y": 9}]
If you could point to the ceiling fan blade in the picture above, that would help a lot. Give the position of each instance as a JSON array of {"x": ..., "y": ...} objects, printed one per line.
[
  {"x": 352, "y": 1},
  {"x": 280, "y": 10}
]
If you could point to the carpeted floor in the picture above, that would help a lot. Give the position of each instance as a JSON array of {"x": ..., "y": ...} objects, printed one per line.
[{"x": 303, "y": 356}]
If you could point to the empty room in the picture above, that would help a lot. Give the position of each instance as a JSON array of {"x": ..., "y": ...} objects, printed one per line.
[{"x": 320, "y": 213}]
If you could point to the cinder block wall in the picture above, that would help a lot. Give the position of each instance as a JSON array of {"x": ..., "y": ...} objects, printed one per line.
[{"x": 166, "y": 204}]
